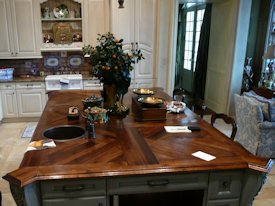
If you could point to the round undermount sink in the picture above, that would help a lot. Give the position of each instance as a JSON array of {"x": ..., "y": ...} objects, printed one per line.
[{"x": 64, "y": 133}]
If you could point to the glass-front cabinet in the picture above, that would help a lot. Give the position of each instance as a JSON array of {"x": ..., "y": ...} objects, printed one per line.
[
  {"x": 268, "y": 70},
  {"x": 62, "y": 25}
]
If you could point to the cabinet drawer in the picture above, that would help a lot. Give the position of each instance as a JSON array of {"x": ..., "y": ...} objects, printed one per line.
[
  {"x": 30, "y": 85},
  {"x": 92, "y": 85},
  {"x": 224, "y": 185},
  {"x": 72, "y": 188},
  {"x": 81, "y": 201},
  {"x": 7, "y": 86},
  {"x": 157, "y": 183}
]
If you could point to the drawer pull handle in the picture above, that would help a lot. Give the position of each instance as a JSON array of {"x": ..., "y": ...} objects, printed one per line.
[
  {"x": 73, "y": 188},
  {"x": 154, "y": 183}
]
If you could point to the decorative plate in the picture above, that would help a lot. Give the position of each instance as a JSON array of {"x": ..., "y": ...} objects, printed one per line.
[
  {"x": 62, "y": 33},
  {"x": 61, "y": 11},
  {"x": 52, "y": 62},
  {"x": 143, "y": 91},
  {"x": 75, "y": 61}
]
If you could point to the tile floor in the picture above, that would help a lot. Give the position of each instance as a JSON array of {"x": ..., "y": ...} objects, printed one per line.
[{"x": 12, "y": 148}]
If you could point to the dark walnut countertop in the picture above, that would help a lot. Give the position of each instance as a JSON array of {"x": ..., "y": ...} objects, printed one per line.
[{"x": 125, "y": 147}]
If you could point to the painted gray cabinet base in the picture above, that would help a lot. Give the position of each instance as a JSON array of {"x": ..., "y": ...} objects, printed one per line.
[{"x": 218, "y": 188}]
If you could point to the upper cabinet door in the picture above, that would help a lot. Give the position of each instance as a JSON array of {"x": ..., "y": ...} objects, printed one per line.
[
  {"x": 25, "y": 27},
  {"x": 19, "y": 29},
  {"x": 136, "y": 25},
  {"x": 96, "y": 20},
  {"x": 6, "y": 46},
  {"x": 123, "y": 22},
  {"x": 145, "y": 36}
]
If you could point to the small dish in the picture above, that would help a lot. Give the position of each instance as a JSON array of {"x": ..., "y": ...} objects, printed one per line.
[
  {"x": 92, "y": 101},
  {"x": 176, "y": 106},
  {"x": 143, "y": 91},
  {"x": 61, "y": 11},
  {"x": 151, "y": 101}
]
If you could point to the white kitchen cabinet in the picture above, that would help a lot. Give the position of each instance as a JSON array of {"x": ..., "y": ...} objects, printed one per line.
[
  {"x": 9, "y": 102},
  {"x": 23, "y": 99},
  {"x": 20, "y": 32},
  {"x": 141, "y": 83},
  {"x": 136, "y": 24},
  {"x": 96, "y": 20},
  {"x": 93, "y": 20},
  {"x": 31, "y": 99},
  {"x": 92, "y": 84},
  {"x": 54, "y": 28}
]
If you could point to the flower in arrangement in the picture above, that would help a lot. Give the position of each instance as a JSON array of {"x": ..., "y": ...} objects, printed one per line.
[{"x": 111, "y": 64}]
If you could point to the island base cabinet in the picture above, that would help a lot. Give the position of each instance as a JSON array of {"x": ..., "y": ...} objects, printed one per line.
[
  {"x": 82, "y": 192},
  {"x": 81, "y": 201}
]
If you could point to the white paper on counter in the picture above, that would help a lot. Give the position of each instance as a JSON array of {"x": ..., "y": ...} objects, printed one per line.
[
  {"x": 45, "y": 144},
  {"x": 177, "y": 129},
  {"x": 203, "y": 156}
]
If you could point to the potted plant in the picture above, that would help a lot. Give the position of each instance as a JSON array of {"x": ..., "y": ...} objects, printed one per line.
[{"x": 112, "y": 65}]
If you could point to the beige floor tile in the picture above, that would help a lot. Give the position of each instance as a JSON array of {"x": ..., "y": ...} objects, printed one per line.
[
  {"x": 266, "y": 193},
  {"x": 4, "y": 185},
  {"x": 12, "y": 148},
  {"x": 264, "y": 202},
  {"x": 271, "y": 180},
  {"x": 8, "y": 200},
  {"x": 272, "y": 172}
]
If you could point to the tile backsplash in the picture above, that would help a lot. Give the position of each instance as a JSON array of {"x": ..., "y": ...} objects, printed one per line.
[{"x": 51, "y": 63}]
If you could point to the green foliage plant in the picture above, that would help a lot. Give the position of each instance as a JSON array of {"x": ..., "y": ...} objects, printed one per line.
[{"x": 111, "y": 64}]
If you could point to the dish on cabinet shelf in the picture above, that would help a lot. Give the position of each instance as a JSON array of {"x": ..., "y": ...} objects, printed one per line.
[
  {"x": 48, "y": 38},
  {"x": 61, "y": 11},
  {"x": 52, "y": 62},
  {"x": 77, "y": 37},
  {"x": 75, "y": 61}
]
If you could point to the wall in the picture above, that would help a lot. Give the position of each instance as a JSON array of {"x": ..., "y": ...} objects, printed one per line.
[
  {"x": 239, "y": 52},
  {"x": 164, "y": 36},
  {"x": 228, "y": 41},
  {"x": 222, "y": 34}
]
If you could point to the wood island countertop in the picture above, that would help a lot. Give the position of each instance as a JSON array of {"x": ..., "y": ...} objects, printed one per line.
[{"x": 125, "y": 147}]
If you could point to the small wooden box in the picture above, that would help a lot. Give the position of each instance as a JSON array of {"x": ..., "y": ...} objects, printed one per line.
[{"x": 146, "y": 114}]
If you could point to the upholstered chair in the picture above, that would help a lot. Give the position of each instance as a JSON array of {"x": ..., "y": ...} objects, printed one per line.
[{"x": 255, "y": 133}]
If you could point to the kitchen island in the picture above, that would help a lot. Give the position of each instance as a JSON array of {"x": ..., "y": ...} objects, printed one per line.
[{"x": 135, "y": 162}]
